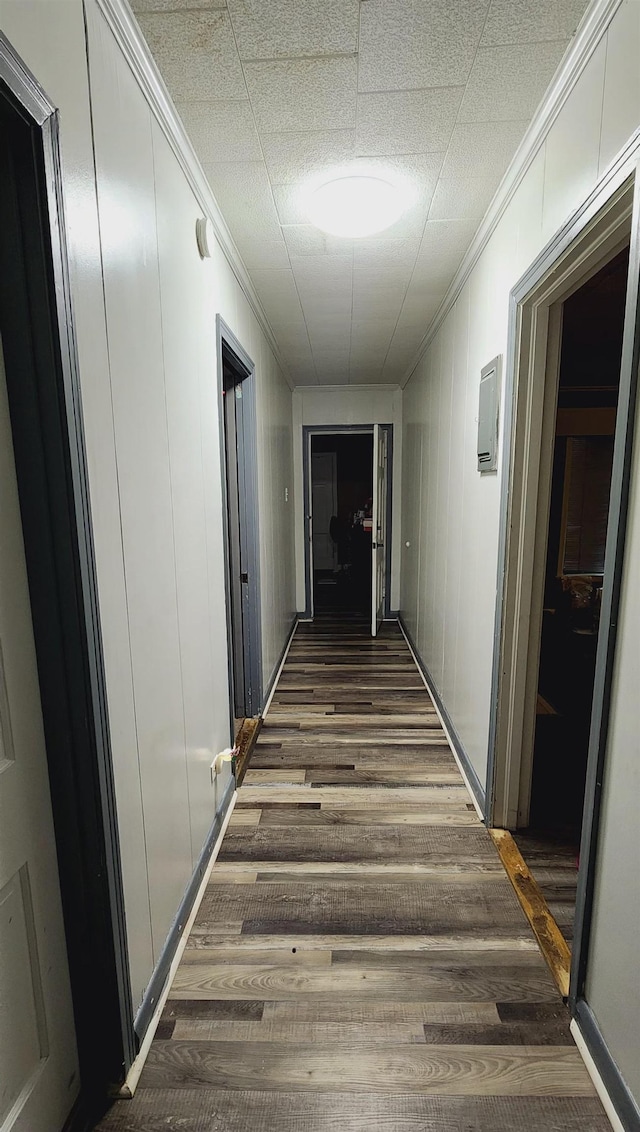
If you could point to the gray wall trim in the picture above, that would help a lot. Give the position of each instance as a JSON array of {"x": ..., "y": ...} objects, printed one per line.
[
  {"x": 330, "y": 430},
  {"x": 159, "y": 976},
  {"x": 469, "y": 770},
  {"x": 617, "y": 1088},
  {"x": 248, "y": 466},
  {"x": 276, "y": 669}
]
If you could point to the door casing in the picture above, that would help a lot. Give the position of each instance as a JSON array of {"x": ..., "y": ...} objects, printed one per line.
[
  {"x": 249, "y": 527},
  {"x": 328, "y": 430},
  {"x": 606, "y": 223}
]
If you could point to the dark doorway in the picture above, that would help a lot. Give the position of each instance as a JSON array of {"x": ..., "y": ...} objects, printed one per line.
[
  {"x": 342, "y": 492},
  {"x": 240, "y": 477},
  {"x": 591, "y": 349}
]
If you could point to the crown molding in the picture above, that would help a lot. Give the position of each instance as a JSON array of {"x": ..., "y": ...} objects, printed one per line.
[
  {"x": 128, "y": 35},
  {"x": 587, "y": 37}
]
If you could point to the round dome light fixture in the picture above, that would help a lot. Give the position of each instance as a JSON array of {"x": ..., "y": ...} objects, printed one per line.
[{"x": 356, "y": 205}]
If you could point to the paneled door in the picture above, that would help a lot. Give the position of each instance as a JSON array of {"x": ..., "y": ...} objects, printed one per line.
[
  {"x": 379, "y": 532},
  {"x": 39, "y": 1077}
]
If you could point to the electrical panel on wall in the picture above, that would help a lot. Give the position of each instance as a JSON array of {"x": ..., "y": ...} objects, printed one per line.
[{"x": 488, "y": 416}]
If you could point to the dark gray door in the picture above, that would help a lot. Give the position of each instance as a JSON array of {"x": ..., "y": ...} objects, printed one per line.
[{"x": 242, "y": 531}]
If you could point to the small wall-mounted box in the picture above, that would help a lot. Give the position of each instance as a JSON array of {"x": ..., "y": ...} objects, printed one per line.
[{"x": 488, "y": 408}]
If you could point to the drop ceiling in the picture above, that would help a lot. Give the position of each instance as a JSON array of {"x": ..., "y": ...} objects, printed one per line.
[{"x": 275, "y": 94}]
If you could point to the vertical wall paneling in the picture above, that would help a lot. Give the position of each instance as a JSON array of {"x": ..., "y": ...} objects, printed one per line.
[{"x": 127, "y": 206}]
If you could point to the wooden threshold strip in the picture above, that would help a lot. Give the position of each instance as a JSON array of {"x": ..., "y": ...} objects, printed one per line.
[
  {"x": 552, "y": 943},
  {"x": 245, "y": 742}
]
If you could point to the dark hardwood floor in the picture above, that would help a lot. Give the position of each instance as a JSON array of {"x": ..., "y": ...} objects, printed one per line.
[{"x": 360, "y": 962}]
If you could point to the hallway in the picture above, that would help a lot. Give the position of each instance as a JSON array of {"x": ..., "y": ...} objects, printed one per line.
[{"x": 359, "y": 960}]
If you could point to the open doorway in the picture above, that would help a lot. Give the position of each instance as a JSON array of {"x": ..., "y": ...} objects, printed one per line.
[
  {"x": 241, "y": 523},
  {"x": 592, "y": 324},
  {"x": 347, "y": 491},
  {"x": 342, "y": 500},
  {"x": 572, "y": 357}
]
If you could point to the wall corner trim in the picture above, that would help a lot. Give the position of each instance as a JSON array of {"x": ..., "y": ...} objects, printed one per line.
[
  {"x": 617, "y": 1100},
  {"x": 587, "y": 37},
  {"x": 466, "y": 769},
  {"x": 130, "y": 39}
]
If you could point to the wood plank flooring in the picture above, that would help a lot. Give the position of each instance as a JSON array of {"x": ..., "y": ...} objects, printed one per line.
[{"x": 360, "y": 960}]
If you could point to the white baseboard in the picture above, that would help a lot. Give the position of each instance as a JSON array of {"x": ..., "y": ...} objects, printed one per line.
[
  {"x": 594, "y": 1074},
  {"x": 133, "y": 1076}
]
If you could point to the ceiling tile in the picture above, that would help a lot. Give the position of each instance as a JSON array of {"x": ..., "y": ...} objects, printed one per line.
[
  {"x": 274, "y": 28},
  {"x": 370, "y": 336},
  {"x": 221, "y": 131},
  {"x": 443, "y": 246},
  {"x": 378, "y": 298},
  {"x": 466, "y": 196},
  {"x": 196, "y": 53},
  {"x": 400, "y": 356},
  {"x": 325, "y": 285},
  {"x": 175, "y": 5},
  {"x": 304, "y": 94},
  {"x": 243, "y": 192},
  {"x": 418, "y": 309},
  {"x": 389, "y": 260},
  {"x": 473, "y": 168},
  {"x": 532, "y": 21},
  {"x": 293, "y": 157},
  {"x": 365, "y": 375},
  {"x": 507, "y": 83},
  {"x": 406, "y": 121},
  {"x": 279, "y": 297},
  {"x": 409, "y": 44},
  {"x": 304, "y": 239}
]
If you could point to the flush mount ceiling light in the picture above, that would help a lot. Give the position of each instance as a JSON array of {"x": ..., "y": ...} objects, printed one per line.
[{"x": 356, "y": 205}]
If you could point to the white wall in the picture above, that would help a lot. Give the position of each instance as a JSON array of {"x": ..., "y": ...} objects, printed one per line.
[
  {"x": 145, "y": 308},
  {"x": 450, "y": 515},
  {"x": 350, "y": 405}
]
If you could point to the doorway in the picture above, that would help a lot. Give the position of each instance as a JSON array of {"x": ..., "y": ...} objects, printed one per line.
[
  {"x": 591, "y": 324},
  {"x": 240, "y": 485},
  {"x": 347, "y": 491},
  {"x": 537, "y": 531},
  {"x": 341, "y": 508}
]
